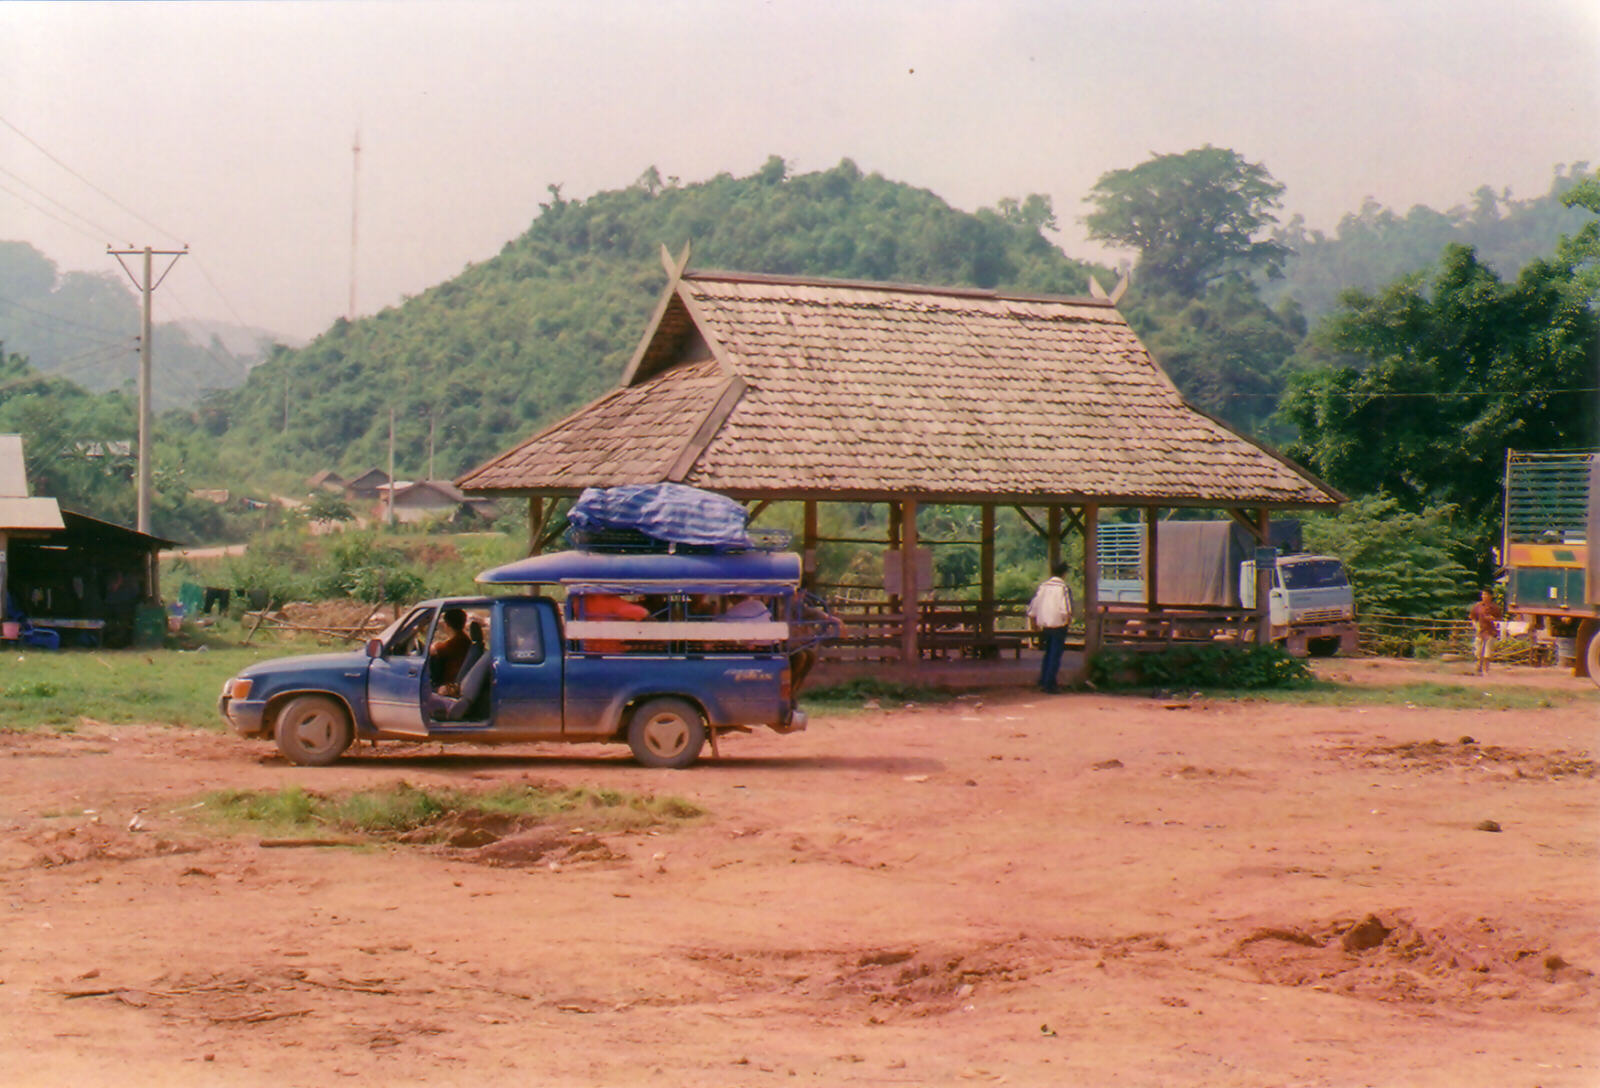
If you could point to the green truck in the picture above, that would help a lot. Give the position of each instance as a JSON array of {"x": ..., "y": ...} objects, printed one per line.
[{"x": 1552, "y": 517}]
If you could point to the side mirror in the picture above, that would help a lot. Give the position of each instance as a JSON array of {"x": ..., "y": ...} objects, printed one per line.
[{"x": 374, "y": 647}]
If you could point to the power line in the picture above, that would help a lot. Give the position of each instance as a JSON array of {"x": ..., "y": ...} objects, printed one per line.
[
  {"x": 56, "y": 317},
  {"x": 206, "y": 272},
  {"x": 84, "y": 360},
  {"x": 105, "y": 232},
  {"x": 46, "y": 153},
  {"x": 1420, "y": 396},
  {"x": 231, "y": 361},
  {"x": 25, "y": 183},
  {"x": 42, "y": 210}
]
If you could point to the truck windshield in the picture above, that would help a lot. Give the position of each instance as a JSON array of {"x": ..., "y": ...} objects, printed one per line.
[{"x": 1314, "y": 574}]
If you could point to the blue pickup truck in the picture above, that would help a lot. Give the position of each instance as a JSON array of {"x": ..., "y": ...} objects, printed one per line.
[{"x": 658, "y": 651}]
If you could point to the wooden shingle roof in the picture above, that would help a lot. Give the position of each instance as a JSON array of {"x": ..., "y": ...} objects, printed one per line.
[{"x": 783, "y": 387}]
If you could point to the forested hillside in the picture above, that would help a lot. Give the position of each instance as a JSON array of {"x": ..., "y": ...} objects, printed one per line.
[
  {"x": 1376, "y": 245},
  {"x": 518, "y": 340},
  {"x": 84, "y": 326}
]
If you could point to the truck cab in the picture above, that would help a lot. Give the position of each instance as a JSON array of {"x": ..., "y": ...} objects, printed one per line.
[
  {"x": 661, "y": 652},
  {"x": 1310, "y": 604}
]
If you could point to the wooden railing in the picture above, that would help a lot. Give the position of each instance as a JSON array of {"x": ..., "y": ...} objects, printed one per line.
[
  {"x": 872, "y": 630},
  {"x": 1122, "y": 625}
]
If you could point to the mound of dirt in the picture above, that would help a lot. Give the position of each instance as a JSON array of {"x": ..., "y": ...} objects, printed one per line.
[
  {"x": 1435, "y": 755},
  {"x": 98, "y": 842},
  {"x": 1389, "y": 957},
  {"x": 522, "y": 849}
]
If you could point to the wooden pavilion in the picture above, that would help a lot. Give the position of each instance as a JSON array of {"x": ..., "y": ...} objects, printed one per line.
[{"x": 786, "y": 389}]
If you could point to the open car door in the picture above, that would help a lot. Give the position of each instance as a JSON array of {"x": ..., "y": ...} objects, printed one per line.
[{"x": 398, "y": 676}]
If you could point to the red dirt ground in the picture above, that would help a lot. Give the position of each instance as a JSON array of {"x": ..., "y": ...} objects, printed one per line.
[{"x": 1019, "y": 889}]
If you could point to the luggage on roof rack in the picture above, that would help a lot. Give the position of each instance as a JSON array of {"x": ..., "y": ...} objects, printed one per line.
[{"x": 664, "y": 517}]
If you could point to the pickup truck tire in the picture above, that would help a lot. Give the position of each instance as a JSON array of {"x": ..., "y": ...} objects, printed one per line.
[
  {"x": 666, "y": 733},
  {"x": 312, "y": 730}
]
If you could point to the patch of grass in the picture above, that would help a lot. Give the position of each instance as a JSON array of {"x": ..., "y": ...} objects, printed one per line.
[
  {"x": 856, "y": 694},
  {"x": 403, "y": 808},
  {"x": 1423, "y": 694},
  {"x": 55, "y": 689}
]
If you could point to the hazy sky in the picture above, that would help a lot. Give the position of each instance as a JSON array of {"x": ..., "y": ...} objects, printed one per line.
[{"x": 229, "y": 126}]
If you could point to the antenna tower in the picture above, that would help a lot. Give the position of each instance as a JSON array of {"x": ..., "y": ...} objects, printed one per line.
[{"x": 355, "y": 198}]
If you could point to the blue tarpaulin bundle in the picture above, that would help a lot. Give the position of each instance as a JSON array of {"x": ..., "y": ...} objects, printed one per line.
[{"x": 674, "y": 513}]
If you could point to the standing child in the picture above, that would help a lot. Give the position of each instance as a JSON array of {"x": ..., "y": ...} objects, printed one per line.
[{"x": 1485, "y": 616}]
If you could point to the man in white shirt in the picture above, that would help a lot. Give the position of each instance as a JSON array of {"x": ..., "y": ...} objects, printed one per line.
[{"x": 1050, "y": 612}]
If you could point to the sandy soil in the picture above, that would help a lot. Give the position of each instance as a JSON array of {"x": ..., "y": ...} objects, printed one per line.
[{"x": 1019, "y": 889}]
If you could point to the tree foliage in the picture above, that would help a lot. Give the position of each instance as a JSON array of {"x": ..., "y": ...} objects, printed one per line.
[
  {"x": 1418, "y": 391},
  {"x": 80, "y": 449},
  {"x": 1400, "y": 563},
  {"x": 1192, "y": 217},
  {"x": 1225, "y": 350}
]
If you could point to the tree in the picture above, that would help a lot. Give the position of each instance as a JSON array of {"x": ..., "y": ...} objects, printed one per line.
[
  {"x": 1192, "y": 217},
  {"x": 1225, "y": 350},
  {"x": 1438, "y": 380},
  {"x": 1400, "y": 563},
  {"x": 326, "y": 506}
]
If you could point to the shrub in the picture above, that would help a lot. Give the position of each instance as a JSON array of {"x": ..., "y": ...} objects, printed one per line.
[{"x": 1202, "y": 665}]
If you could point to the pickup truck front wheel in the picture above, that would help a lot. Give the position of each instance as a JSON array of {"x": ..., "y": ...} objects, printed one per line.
[
  {"x": 312, "y": 730},
  {"x": 666, "y": 733}
]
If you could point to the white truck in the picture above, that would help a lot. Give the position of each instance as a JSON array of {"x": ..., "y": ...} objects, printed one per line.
[{"x": 1310, "y": 603}]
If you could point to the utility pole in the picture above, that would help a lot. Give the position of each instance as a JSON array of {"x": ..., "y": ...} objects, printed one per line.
[
  {"x": 389, "y": 513},
  {"x": 147, "y": 288}
]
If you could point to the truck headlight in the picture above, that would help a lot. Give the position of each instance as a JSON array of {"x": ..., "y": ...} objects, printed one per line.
[{"x": 237, "y": 688}]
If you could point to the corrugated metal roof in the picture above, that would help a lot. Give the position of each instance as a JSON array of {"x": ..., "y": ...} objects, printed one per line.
[
  {"x": 13, "y": 468},
  {"x": 18, "y": 513},
  {"x": 862, "y": 389}
]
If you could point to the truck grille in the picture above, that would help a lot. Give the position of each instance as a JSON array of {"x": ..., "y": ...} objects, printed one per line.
[{"x": 1321, "y": 615}]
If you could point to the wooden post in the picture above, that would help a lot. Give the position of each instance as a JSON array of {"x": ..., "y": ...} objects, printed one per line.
[
  {"x": 1053, "y": 537},
  {"x": 986, "y": 571},
  {"x": 1091, "y": 581},
  {"x": 535, "y": 522},
  {"x": 1263, "y": 582},
  {"x": 894, "y": 545},
  {"x": 1152, "y": 593},
  {"x": 910, "y": 650},
  {"x": 808, "y": 555}
]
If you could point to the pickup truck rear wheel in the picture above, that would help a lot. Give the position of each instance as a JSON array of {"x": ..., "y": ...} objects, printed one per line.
[
  {"x": 666, "y": 733},
  {"x": 312, "y": 730}
]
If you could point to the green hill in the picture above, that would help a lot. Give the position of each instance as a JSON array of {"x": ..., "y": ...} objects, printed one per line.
[
  {"x": 84, "y": 326},
  {"x": 527, "y": 336},
  {"x": 1376, "y": 246}
]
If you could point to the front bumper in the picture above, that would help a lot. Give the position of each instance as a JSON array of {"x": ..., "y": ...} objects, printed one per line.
[{"x": 244, "y": 716}]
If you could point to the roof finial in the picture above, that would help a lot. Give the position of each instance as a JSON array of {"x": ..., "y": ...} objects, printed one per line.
[
  {"x": 1095, "y": 290},
  {"x": 674, "y": 266},
  {"x": 1120, "y": 289}
]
